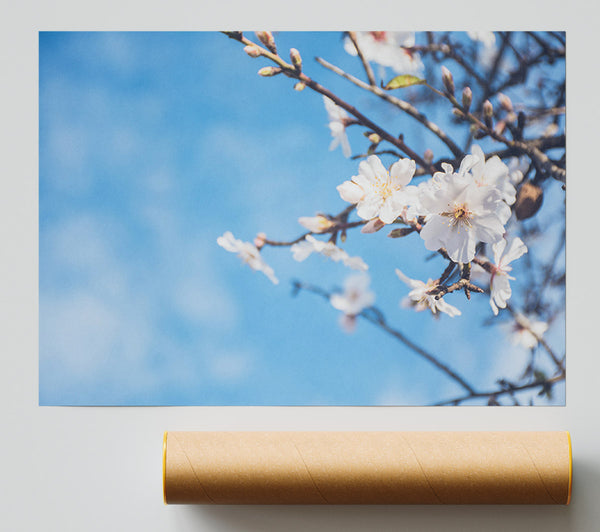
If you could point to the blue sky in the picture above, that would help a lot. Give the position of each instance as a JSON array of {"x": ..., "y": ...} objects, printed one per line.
[{"x": 154, "y": 144}]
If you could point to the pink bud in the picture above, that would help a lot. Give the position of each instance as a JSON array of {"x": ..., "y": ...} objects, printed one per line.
[
  {"x": 260, "y": 240},
  {"x": 448, "y": 80},
  {"x": 269, "y": 71},
  {"x": 372, "y": 226},
  {"x": 266, "y": 37},
  {"x": 296, "y": 58},
  {"x": 505, "y": 102},
  {"x": 428, "y": 156},
  {"x": 467, "y": 98},
  {"x": 252, "y": 50}
]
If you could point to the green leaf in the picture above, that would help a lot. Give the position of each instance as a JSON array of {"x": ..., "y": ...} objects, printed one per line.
[{"x": 405, "y": 80}]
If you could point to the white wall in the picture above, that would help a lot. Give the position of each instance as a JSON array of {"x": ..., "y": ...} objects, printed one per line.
[{"x": 98, "y": 469}]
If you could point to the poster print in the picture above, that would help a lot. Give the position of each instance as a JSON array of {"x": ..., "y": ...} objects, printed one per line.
[{"x": 304, "y": 218}]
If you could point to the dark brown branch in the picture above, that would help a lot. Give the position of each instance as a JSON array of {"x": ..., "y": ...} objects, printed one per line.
[{"x": 291, "y": 72}]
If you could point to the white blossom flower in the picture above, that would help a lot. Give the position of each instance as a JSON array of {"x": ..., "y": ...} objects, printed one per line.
[
  {"x": 387, "y": 48},
  {"x": 500, "y": 290},
  {"x": 303, "y": 249},
  {"x": 338, "y": 119},
  {"x": 316, "y": 224},
  {"x": 419, "y": 298},
  {"x": 493, "y": 172},
  {"x": 459, "y": 214},
  {"x": 249, "y": 254},
  {"x": 526, "y": 331},
  {"x": 355, "y": 298},
  {"x": 378, "y": 193}
]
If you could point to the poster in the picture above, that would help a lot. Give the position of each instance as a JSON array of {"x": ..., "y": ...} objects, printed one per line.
[{"x": 399, "y": 214}]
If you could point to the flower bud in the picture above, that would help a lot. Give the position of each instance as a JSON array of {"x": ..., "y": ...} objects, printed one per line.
[
  {"x": 488, "y": 113},
  {"x": 266, "y": 37},
  {"x": 316, "y": 224},
  {"x": 260, "y": 240},
  {"x": 299, "y": 86},
  {"x": 448, "y": 80},
  {"x": 296, "y": 59},
  {"x": 500, "y": 127},
  {"x": 252, "y": 50},
  {"x": 269, "y": 71},
  {"x": 467, "y": 98},
  {"x": 505, "y": 102},
  {"x": 428, "y": 156},
  {"x": 374, "y": 138},
  {"x": 372, "y": 226},
  {"x": 401, "y": 231}
]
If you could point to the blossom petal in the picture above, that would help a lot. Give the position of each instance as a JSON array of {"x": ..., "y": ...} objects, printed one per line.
[
  {"x": 387, "y": 212},
  {"x": 460, "y": 243},
  {"x": 376, "y": 165},
  {"x": 350, "y": 192},
  {"x": 402, "y": 172},
  {"x": 516, "y": 249},
  {"x": 500, "y": 291},
  {"x": 434, "y": 232},
  {"x": 447, "y": 308},
  {"x": 302, "y": 250},
  {"x": 489, "y": 228},
  {"x": 228, "y": 242},
  {"x": 369, "y": 207}
]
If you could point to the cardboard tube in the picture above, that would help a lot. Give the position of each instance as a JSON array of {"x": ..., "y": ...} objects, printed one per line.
[{"x": 367, "y": 467}]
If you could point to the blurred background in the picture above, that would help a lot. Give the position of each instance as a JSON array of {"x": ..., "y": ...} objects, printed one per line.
[{"x": 152, "y": 145}]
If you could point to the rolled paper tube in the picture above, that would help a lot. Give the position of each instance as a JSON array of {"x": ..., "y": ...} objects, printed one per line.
[{"x": 367, "y": 467}]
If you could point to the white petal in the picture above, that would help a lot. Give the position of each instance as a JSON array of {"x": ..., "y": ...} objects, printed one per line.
[
  {"x": 402, "y": 171},
  {"x": 498, "y": 249},
  {"x": 500, "y": 290},
  {"x": 356, "y": 263},
  {"x": 488, "y": 228},
  {"x": 447, "y": 308},
  {"x": 350, "y": 192},
  {"x": 346, "y": 150},
  {"x": 228, "y": 242},
  {"x": 369, "y": 206},
  {"x": 302, "y": 250},
  {"x": 387, "y": 212},
  {"x": 365, "y": 170},
  {"x": 460, "y": 244},
  {"x": 434, "y": 231},
  {"x": 516, "y": 249},
  {"x": 376, "y": 165}
]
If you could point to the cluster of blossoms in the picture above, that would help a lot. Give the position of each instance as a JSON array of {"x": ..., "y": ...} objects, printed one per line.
[
  {"x": 249, "y": 253},
  {"x": 454, "y": 211}
]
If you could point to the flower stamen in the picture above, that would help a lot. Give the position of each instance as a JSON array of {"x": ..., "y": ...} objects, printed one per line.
[{"x": 459, "y": 215}]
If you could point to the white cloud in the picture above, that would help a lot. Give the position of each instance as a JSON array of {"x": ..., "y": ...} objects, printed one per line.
[{"x": 230, "y": 367}]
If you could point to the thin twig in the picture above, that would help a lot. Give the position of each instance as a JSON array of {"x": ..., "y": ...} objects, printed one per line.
[
  {"x": 366, "y": 65},
  {"x": 376, "y": 317},
  {"x": 401, "y": 104},
  {"x": 511, "y": 389},
  {"x": 292, "y": 72}
]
